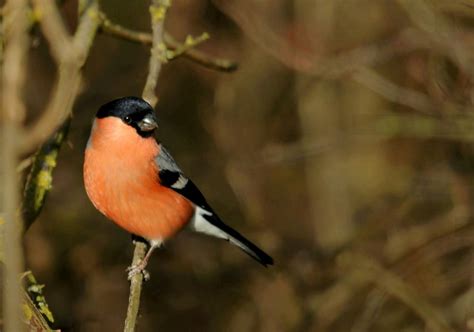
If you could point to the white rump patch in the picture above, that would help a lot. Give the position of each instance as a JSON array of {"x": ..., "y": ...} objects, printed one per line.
[{"x": 199, "y": 224}]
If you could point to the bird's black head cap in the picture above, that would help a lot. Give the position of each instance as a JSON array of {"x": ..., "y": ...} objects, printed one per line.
[{"x": 133, "y": 111}]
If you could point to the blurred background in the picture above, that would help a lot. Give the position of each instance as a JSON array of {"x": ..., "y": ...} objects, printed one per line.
[{"x": 342, "y": 145}]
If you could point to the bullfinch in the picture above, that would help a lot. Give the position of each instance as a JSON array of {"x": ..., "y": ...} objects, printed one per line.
[{"x": 133, "y": 180}]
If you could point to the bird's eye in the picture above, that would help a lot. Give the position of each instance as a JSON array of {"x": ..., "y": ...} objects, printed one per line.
[{"x": 128, "y": 119}]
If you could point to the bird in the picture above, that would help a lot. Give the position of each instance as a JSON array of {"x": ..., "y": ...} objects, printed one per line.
[{"x": 132, "y": 179}]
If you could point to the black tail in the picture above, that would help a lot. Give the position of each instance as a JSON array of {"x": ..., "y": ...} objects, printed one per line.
[{"x": 239, "y": 240}]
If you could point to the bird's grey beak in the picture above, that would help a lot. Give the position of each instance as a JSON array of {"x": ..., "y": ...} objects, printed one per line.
[{"x": 148, "y": 123}]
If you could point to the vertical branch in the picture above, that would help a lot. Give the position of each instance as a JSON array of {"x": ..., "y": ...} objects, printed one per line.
[
  {"x": 135, "y": 289},
  {"x": 158, "y": 9},
  {"x": 12, "y": 113}
]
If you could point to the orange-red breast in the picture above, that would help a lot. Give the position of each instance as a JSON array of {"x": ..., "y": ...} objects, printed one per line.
[{"x": 133, "y": 180}]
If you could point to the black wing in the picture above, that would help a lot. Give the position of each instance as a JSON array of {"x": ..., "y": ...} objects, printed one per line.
[{"x": 172, "y": 177}]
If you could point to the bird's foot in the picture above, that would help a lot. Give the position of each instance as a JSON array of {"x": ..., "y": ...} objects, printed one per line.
[{"x": 138, "y": 268}]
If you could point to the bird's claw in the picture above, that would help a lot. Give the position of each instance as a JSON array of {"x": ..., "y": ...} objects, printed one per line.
[{"x": 138, "y": 268}]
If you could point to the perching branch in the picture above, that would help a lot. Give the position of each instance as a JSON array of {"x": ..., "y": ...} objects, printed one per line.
[
  {"x": 191, "y": 53},
  {"x": 135, "y": 289},
  {"x": 158, "y": 9}
]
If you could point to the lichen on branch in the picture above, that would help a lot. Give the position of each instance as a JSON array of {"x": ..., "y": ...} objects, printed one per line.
[{"x": 40, "y": 176}]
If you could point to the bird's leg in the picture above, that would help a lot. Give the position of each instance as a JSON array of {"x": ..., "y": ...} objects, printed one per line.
[{"x": 140, "y": 266}]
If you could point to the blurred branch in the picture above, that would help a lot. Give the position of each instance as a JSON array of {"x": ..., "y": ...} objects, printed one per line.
[
  {"x": 368, "y": 268},
  {"x": 396, "y": 94},
  {"x": 439, "y": 30},
  {"x": 330, "y": 304},
  {"x": 451, "y": 238},
  {"x": 405, "y": 241},
  {"x": 356, "y": 63},
  {"x": 431, "y": 31},
  {"x": 2, "y": 46},
  {"x": 373, "y": 304},
  {"x": 12, "y": 112},
  {"x": 54, "y": 29},
  {"x": 158, "y": 9},
  {"x": 458, "y": 7},
  {"x": 40, "y": 177},
  {"x": 191, "y": 53},
  {"x": 311, "y": 55},
  {"x": 456, "y": 126},
  {"x": 451, "y": 126},
  {"x": 337, "y": 65},
  {"x": 70, "y": 54}
]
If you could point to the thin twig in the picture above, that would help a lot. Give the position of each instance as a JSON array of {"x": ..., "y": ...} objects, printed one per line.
[
  {"x": 12, "y": 111},
  {"x": 188, "y": 44},
  {"x": 119, "y": 31},
  {"x": 192, "y": 54},
  {"x": 202, "y": 58},
  {"x": 158, "y": 9}
]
